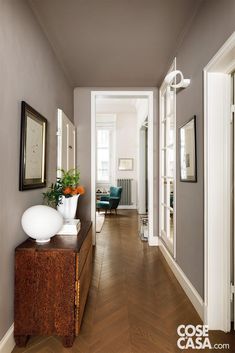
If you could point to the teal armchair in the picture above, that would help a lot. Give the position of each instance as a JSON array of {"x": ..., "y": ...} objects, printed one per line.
[{"x": 110, "y": 202}]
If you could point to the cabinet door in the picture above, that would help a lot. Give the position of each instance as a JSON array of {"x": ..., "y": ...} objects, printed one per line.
[
  {"x": 44, "y": 293},
  {"x": 82, "y": 288}
]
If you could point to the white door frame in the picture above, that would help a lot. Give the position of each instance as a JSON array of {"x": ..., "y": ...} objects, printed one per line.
[
  {"x": 217, "y": 187},
  {"x": 153, "y": 240},
  {"x": 142, "y": 171}
]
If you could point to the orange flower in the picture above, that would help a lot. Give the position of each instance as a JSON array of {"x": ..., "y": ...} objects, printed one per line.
[
  {"x": 80, "y": 190},
  {"x": 67, "y": 191},
  {"x": 73, "y": 191}
]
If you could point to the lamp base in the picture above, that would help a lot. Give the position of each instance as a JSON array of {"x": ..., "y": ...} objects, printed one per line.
[{"x": 43, "y": 241}]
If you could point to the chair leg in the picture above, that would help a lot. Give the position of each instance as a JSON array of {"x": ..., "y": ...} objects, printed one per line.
[
  {"x": 105, "y": 212},
  {"x": 115, "y": 211}
]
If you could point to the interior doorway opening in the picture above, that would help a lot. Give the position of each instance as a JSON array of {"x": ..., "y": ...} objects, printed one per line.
[{"x": 122, "y": 154}]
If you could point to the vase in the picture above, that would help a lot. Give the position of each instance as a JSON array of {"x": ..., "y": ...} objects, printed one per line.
[{"x": 68, "y": 206}]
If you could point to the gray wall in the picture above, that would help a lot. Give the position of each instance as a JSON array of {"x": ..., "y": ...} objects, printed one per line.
[
  {"x": 30, "y": 72},
  {"x": 82, "y": 119},
  {"x": 213, "y": 24}
]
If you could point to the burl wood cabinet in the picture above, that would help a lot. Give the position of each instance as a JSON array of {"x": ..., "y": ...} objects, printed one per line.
[{"x": 51, "y": 286}]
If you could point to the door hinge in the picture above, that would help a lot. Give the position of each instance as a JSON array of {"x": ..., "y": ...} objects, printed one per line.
[
  {"x": 232, "y": 291},
  {"x": 233, "y": 108},
  {"x": 59, "y": 133}
]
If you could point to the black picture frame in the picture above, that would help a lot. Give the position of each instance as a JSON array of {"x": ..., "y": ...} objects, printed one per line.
[
  {"x": 188, "y": 152},
  {"x": 33, "y": 143}
]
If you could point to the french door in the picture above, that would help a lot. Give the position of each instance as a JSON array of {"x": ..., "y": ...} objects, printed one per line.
[
  {"x": 167, "y": 166},
  {"x": 66, "y": 143}
]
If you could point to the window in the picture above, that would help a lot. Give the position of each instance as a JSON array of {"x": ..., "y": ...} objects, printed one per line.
[
  {"x": 103, "y": 155},
  {"x": 167, "y": 166}
]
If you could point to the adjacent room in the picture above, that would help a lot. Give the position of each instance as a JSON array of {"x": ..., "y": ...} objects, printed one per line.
[{"x": 121, "y": 158}]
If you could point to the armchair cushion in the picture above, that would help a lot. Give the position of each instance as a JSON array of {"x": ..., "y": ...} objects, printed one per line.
[
  {"x": 115, "y": 191},
  {"x": 102, "y": 204}
]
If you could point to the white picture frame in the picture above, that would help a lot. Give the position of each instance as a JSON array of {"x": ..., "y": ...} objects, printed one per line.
[{"x": 125, "y": 164}]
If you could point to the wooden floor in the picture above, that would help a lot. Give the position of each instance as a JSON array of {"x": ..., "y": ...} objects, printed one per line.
[{"x": 135, "y": 303}]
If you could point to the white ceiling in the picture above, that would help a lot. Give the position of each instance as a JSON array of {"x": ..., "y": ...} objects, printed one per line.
[{"x": 119, "y": 43}]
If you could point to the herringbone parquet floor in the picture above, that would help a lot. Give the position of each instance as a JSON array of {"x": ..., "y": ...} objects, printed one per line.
[{"x": 135, "y": 303}]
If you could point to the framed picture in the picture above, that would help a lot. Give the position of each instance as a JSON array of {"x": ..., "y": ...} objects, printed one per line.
[
  {"x": 188, "y": 151},
  {"x": 125, "y": 164},
  {"x": 32, "y": 149}
]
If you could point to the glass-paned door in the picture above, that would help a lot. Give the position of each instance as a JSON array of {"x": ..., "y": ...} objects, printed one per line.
[{"x": 167, "y": 167}]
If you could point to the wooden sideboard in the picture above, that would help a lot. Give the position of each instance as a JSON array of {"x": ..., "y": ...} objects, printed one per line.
[{"x": 51, "y": 286}]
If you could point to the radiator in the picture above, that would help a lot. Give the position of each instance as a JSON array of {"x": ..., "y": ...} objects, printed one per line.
[{"x": 126, "y": 198}]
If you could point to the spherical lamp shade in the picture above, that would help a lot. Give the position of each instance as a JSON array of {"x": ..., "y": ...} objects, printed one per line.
[{"x": 41, "y": 223}]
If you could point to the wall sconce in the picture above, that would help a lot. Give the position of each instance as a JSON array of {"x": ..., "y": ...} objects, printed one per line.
[{"x": 183, "y": 83}]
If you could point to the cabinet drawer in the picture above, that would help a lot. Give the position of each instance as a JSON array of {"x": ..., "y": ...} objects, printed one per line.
[{"x": 82, "y": 255}]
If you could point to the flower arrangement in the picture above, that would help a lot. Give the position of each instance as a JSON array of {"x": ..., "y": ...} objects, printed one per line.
[{"x": 67, "y": 185}]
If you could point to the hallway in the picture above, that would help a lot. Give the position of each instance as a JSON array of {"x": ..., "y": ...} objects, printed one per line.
[{"x": 135, "y": 303}]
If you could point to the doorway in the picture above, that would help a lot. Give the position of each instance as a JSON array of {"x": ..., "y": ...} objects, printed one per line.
[
  {"x": 122, "y": 160},
  {"x": 218, "y": 189}
]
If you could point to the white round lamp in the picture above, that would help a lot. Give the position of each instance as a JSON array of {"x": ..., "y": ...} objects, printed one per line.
[{"x": 41, "y": 223}]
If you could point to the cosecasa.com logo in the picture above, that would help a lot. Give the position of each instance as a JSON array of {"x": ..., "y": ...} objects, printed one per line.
[{"x": 196, "y": 337}]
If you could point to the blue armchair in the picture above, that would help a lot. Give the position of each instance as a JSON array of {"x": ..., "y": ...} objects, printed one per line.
[{"x": 110, "y": 202}]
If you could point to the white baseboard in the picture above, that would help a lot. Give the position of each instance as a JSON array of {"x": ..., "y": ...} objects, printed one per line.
[
  {"x": 187, "y": 286},
  {"x": 7, "y": 343},
  {"x": 153, "y": 241},
  {"x": 127, "y": 207}
]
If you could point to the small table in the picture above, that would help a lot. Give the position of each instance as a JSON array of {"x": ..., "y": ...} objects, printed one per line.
[{"x": 100, "y": 194}]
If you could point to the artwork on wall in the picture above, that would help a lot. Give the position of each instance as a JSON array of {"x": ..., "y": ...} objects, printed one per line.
[
  {"x": 188, "y": 152},
  {"x": 125, "y": 164},
  {"x": 32, "y": 149}
]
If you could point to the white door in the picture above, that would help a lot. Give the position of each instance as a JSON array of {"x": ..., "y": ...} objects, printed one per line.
[
  {"x": 233, "y": 200},
  {"x": 66, "y": 143},
  {"x": 167, "y": 166}
]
